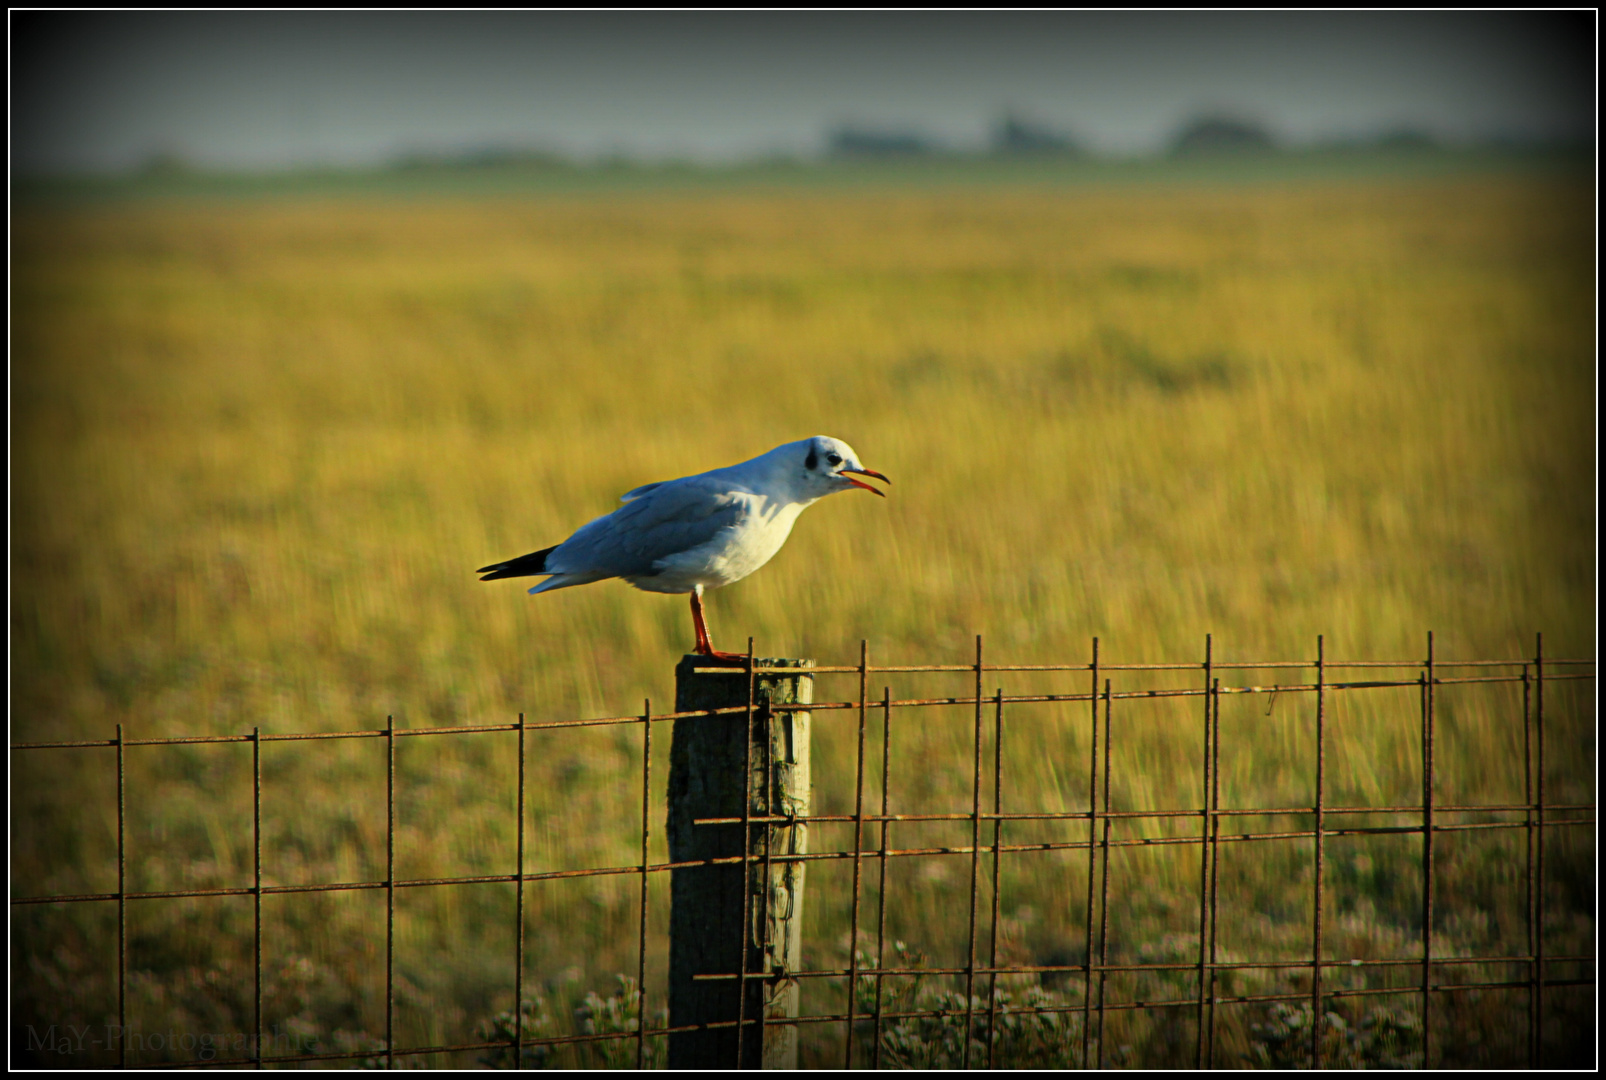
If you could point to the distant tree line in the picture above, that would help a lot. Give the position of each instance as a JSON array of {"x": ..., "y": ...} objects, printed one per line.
[
  {"x": 1205, "y": 135},
  {"x": 1221, "y": 135},
  {"x": 1012, "y": 135}
]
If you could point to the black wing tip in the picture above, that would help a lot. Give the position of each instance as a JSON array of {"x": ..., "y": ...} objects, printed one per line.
[{"x": 523, "y": 566}]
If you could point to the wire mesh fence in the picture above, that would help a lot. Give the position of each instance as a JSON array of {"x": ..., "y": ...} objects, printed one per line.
[{"x": 1115, "y": 845}]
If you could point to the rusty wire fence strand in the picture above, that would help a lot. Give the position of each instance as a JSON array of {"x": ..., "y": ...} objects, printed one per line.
[
  {"x": 1204, "y": 871},
  {"x": 747, "y": 865},
  {"x": 634, "y": 867},
  {"x": 829, "y": 1018},
  {"x": 1528, "y": 866},
  {"x": 1538, "y": 976},
  {"x": 646, "y": 835},
  {"x": 390, "y": 894},
  {"x": 603, "y": 721},
  {"x": 1301, "y": 997},
  {"x": 1292, "y": 966},
  {"x": 1215, "y": 861},
  {"x": 1092, "y": 826},
  {"x": 975, "y": 869},
  {"x": 1317, "y": 1015},
  {"x": 1221, "y": 665},
  {"x": 1081, "y": 815},
  {"x": 1414, "y": 809},
  {"x": 1104, "y": 878},
  {"x": 256, "y": 895},
  {"x": 826, "y": 1019},
  {"x": 1179, "y": 1003},
  {"x": 858, "y": 848},
  {"x": 998, "y": 840},
  {"x": 881, "y": 899},
  {"x": 1427, "y": 858},
  {"x": 122, "y": 901},
  {"x": 518, "y": 912},
  {"x": 1074, "y": 845},
  {"x": 1534, "y": 810},
  {"x": 769, "y": 985}
]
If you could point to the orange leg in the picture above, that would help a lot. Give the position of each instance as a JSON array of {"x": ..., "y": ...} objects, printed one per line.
[{"x": 705, "y": 645}]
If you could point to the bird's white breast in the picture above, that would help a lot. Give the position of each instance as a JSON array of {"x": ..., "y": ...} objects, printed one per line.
[{"x": 730, "y": 554}]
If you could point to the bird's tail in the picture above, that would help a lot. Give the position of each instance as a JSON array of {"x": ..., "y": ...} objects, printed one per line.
[{"x": 523, "y": 566}]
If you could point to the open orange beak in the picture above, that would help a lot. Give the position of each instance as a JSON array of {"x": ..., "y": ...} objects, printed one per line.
[{"x": 867, "y": 487}]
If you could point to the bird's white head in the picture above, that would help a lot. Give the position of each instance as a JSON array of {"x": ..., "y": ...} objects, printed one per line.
[{"x": 822, "y": 466}]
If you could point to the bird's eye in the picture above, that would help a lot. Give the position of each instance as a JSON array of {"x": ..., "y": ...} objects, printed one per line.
[
  {"x": 834, "y": 459},
  {"x": 811, "y": 461}
]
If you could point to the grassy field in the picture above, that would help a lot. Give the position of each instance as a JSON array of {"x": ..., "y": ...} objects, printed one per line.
[{"x": 258, "y": 447}]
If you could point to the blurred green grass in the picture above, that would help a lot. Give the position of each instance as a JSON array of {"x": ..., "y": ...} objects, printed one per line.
[{"x": 259, "y": 445}]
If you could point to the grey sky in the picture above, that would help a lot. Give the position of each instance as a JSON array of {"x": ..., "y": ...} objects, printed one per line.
[{"x": 247, "y": 90}]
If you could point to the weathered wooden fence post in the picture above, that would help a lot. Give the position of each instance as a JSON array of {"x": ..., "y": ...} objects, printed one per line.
[{"x": 719, "y": 923}]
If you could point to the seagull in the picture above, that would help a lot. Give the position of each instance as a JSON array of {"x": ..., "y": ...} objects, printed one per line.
[{"x": 698, "y": 532}]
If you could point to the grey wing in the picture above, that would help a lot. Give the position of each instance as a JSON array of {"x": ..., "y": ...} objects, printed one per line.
[{"x": 673, "y": 517}]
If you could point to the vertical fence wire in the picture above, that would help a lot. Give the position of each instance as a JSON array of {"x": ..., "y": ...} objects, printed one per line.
[
  {"x": 518, "y": 915},
  {"x": 1215, "y": 861},
  {"x": 256, "y": 896},
  {"x": 1317, "y": 1016},
  {"x": 772, "y": 807},
  {"x": 122, "y": 901},
  {"x": 1528, "y": 865},
  {"x": 1092, "y": 826},
  {"x": 1104, "y": 877},
  {"x": 646, "y": 836},
  {"x": 390, "y": 892},
  {"x": 1539, "y": 859},
  {"x": 1204, "y": 871},
  {"x": 975, "y": 868},
  {"x": 1427, "y": 859},
  {"x": 747, "y": 860},
  {"x": 858, "y": 849},
  {"x": 881, "y": 900},
  {"x": 998, "y": 841}
]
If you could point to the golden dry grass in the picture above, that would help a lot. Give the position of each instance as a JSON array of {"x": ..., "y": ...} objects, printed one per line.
[{"x": 258, "y": 448}]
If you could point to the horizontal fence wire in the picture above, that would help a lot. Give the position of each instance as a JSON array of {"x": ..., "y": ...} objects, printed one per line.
[
  {"x": 829, "y": 856},
  {"x": 1536, "y": 818},
  {"x": 822, "y": 706}
]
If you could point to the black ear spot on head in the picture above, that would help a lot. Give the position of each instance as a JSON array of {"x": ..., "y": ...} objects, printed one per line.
[{"x": 812, "y": 460}]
